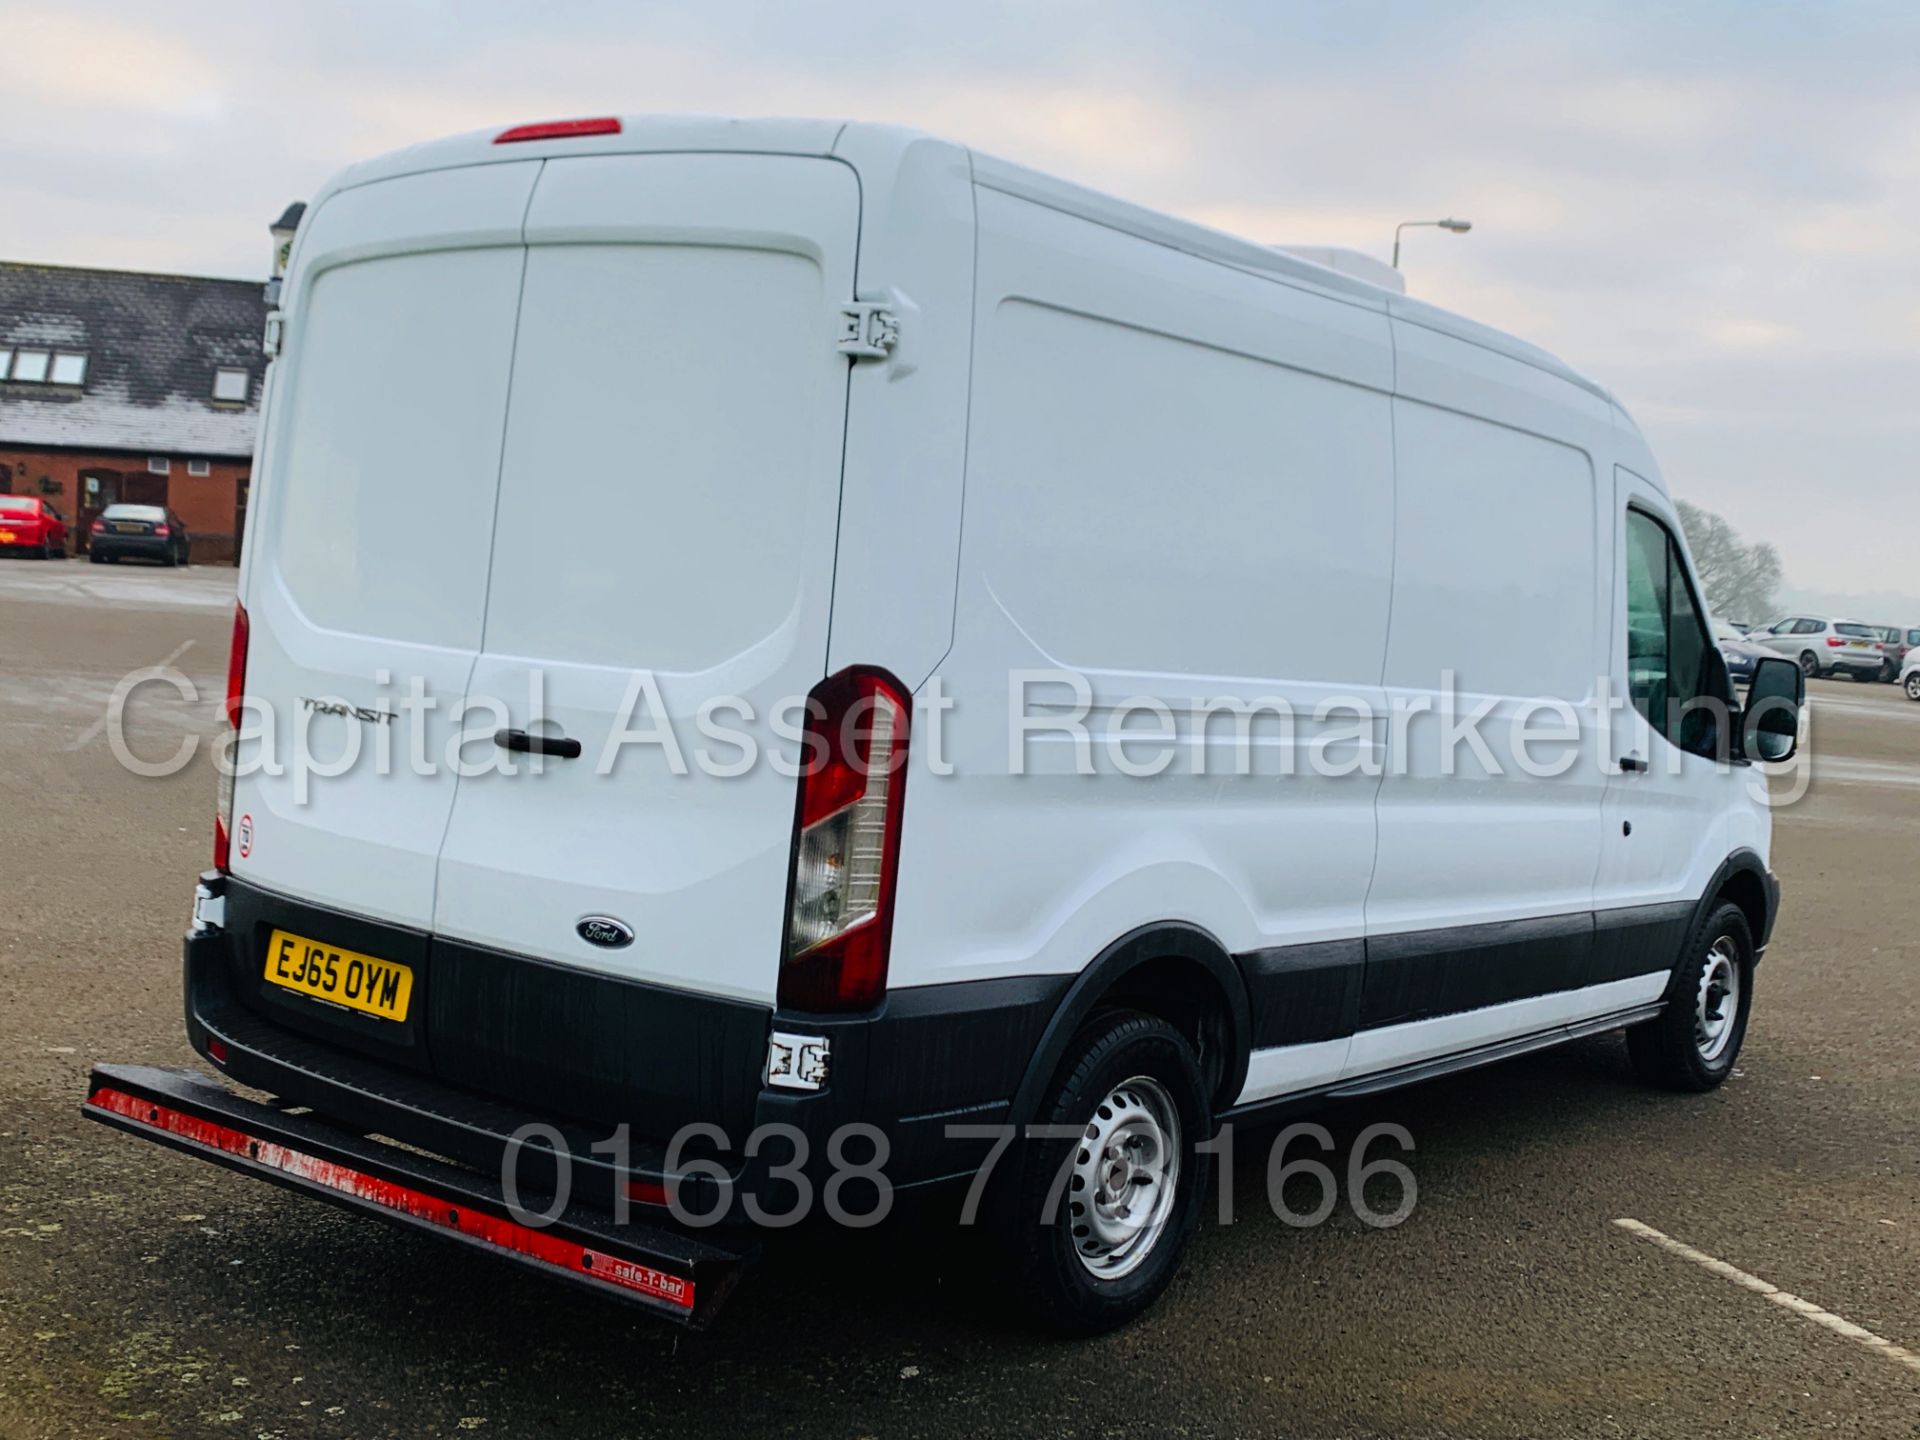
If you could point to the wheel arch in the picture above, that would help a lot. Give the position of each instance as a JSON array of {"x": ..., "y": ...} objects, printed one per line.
[
  {"x": 1173, "y": 969},
  {"x": 1744, "y": 879}
]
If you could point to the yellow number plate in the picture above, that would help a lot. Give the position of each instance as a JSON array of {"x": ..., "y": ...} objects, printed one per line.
[{"x": 342, "y": 977}]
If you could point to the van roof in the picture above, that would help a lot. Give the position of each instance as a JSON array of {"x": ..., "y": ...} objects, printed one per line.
[{"x": 639, "y": 134}]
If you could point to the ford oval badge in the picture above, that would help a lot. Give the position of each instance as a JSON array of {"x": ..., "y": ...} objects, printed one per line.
[{"x": 604, "y": 931}]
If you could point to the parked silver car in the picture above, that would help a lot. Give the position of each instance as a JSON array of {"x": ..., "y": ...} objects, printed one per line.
[
  {"x": 1826, "y": 647},
  {"x": 1898, "y": 640}
]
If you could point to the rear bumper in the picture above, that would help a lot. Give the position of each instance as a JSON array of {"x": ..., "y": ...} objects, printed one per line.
[
  {"x": 505, "y": 1043},
  {"x": 1842, "y": 660},
  {"x": 155, "y": 547},
  {"x": 675, "y": 1275}
]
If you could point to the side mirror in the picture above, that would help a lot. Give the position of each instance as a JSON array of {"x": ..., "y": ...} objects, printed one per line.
[{"x": 1770, "y": 724}]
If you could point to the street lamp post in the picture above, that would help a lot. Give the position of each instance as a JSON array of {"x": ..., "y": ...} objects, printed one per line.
[{"x": 1458, "y": 227}]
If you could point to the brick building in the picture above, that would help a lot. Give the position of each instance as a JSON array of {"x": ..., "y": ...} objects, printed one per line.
[{"x": 117, "y": 385}]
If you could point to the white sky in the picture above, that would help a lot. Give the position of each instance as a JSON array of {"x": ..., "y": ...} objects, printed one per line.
[{"x": 1710, "y": 207}]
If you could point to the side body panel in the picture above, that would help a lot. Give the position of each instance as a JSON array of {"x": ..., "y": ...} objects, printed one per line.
[{"x": 1158, "y": 447}]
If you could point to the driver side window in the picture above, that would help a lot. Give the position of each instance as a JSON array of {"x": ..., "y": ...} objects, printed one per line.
[{"x": 1671, "y": 660}]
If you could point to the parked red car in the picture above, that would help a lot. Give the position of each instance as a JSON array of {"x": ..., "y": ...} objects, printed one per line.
[{"x": 31, "y": 524}]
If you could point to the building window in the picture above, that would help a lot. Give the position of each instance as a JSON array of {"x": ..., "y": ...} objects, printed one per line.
[
  {"x": 69, "y": 368},
  {"x": 30, "y": 366},
  {"x": 230, "y": 385},
  {"x": 199, "y": 467},
  {"x": 158, "y": 465}
]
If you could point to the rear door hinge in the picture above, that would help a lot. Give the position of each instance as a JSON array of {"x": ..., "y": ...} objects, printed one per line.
[
  {"x": 276, "y": 333},
  {"x": 868, "y": 330}
]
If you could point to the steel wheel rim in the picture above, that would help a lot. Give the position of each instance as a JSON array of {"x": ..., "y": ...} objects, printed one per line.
[
  {"x": 1126, "y": 1173},
  {"x": 1716, "y": 1004}
]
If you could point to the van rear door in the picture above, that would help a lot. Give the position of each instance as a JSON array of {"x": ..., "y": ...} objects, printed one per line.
[
  {"x": 380, "y": 464},
  {"x": 664, "y": 542}
]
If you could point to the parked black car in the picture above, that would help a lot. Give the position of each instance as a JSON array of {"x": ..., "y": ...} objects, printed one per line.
[{"x": 145, "y": 532}]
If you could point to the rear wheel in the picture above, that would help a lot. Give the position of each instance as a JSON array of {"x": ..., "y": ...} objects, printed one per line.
[
  {"x": 95, "y": 557},
  {"x": 55, "y": 550},
  {"x": 1098, "y": 1221},
  {"x": 1889, "y": 672},
  {"x": 1693, "y": 1043}
]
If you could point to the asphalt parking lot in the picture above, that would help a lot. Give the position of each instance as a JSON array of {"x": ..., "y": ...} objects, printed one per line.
[{"x": 146, "y": 1294}]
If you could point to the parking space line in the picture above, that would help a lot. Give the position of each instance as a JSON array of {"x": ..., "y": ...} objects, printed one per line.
[
  {"x": 92, "y": 731},
  {"x": 1806, "y": 1309}
]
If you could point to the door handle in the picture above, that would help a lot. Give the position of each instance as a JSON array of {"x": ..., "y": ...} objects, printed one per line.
[
  {"x": 1630, "y": 763},
  {"x": 558, "y": 745}
]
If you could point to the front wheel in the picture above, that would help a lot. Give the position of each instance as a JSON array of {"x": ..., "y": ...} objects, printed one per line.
[
  {"x": 1913, "y": 686},
  {"x": 1693, "y": 1042},
  {"x": 1809, "y": 664},
  {"x": 1102, "y": 1211}
]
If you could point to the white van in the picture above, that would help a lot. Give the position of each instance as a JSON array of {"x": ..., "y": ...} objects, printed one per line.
[{"x": 953, "y": 653}]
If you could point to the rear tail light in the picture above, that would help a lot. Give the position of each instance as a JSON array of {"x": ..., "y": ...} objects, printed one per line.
[
  {"x": 230, "y": 712},
  {"x": 846, "y": 843},
  {"x": 161, "y": 530},
  {"x": 559, "y": 130},
  {"x": 98, "y": 527},
  {"x": 1835, "y": 641}
]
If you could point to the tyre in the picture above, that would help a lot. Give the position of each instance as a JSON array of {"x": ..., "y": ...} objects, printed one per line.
[
  {"x": 1809, "y": 664},
  {"x": 55, "y": 550},
  {"x": 1693, "y": 1043},
  {"x": 1913, "y": 686},
  {"x": 1097, "y": 1224},
  {"x": 96, "y": 557},
  {"x": 1889, "y": 673}
]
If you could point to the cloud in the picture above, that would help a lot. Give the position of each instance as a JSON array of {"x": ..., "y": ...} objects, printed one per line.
[
  {"x": 1710, "y": 207},
  {"x": 56, "y": 66}
]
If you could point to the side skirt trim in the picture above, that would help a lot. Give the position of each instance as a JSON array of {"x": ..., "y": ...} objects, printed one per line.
[
  {"x": 1404, "y": 1075},
  {"x": 1490, "y": 1054}
]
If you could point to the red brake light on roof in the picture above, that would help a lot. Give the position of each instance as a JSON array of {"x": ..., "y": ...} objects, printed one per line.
[
  {"x": 846, "y": 843},
  {"x": 559, "y": 130}
]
